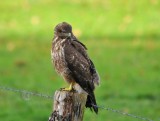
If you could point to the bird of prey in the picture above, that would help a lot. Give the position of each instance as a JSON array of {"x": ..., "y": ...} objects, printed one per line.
[{"x": 72, "y": 62}]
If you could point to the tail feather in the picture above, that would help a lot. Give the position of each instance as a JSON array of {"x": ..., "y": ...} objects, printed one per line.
[{"x": 91, "y": 103}]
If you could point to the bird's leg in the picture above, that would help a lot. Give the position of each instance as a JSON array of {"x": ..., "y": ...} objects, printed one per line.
[{"x": 69, "y": 88}]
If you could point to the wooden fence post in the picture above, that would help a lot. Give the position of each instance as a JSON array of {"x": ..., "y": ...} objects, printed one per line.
[{"x": 68, "y": 106}]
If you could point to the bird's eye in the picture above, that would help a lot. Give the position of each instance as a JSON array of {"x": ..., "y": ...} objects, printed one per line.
[{"x": 60, "y": 31}]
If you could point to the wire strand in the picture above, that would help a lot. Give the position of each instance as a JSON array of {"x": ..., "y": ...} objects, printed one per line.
[
  {"x": 24, "y": 92},
  {"x": 123, "y": 113}
]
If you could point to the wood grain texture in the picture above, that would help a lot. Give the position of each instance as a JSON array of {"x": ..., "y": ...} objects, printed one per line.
[{"x": 68, "y": 106}]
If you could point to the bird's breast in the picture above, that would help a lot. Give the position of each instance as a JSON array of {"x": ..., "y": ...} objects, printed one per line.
[{"x": 58, "y": 57}]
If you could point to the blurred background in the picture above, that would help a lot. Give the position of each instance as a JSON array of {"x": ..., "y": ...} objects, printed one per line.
[{"x": 123, "y": 40}]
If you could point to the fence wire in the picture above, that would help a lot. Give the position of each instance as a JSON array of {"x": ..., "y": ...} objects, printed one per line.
[{"x": 26, "y": 94}]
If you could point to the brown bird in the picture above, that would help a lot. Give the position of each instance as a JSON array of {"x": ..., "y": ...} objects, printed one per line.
[{"x": 72, "y": 62}]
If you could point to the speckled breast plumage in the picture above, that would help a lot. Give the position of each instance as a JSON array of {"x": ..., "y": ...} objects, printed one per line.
[{"x": 58, "y": 58}]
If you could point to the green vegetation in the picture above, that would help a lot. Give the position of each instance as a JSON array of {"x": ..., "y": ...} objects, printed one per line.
[{"x": 123, "y": 40}]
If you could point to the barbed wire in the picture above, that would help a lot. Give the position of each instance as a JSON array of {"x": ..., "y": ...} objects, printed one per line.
[
  {"x": 123, "y": 113},
  {"x": 29, "y": 93}
]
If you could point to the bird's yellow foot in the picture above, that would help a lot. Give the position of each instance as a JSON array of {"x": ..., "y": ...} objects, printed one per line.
[{"x": 70, "y": 88}]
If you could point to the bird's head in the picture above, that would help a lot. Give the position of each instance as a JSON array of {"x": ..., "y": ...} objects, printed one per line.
[{"x": 63, "y": 30}]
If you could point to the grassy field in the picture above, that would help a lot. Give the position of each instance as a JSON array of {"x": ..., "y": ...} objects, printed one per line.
[{"x": 123, "y": 40}]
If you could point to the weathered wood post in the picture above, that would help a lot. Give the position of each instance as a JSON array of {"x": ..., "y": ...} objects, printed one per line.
[{"x": 68, "y": 106}]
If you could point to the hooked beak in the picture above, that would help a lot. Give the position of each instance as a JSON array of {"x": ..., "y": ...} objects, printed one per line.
[
  {"x": 69, "y": 34},
  {"x": 66, "y": 34}
]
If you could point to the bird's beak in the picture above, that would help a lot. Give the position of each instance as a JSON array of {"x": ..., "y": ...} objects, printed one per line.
[
  {"x": 65, "y": 34},
  {"x": 69, "y": 34}
]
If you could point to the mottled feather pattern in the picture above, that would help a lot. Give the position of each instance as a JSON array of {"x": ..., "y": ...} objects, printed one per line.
[
  {"x": 72, "y": 62},
  {"x": 58, "y": 59},
  {"x": 82, "y": 49}
]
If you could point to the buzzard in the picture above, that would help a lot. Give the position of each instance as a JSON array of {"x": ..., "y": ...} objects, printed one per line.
[{"x": 72, "y": 62}]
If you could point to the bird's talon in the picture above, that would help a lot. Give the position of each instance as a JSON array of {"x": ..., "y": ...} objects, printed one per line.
[
  {"x": 70, "y": 88},
  {"x": 66, "y": 89}
]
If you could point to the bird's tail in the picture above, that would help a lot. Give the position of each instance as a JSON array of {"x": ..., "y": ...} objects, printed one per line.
[{"x": 91, "y": 102}]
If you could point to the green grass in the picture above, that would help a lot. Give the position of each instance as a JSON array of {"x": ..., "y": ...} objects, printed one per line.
[{"x": 123, "y": 40}]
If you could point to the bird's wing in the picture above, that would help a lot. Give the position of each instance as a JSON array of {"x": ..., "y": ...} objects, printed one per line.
[
  {"x": 81, "y": 48},
  {"x": 74, "y": 39},
  {"x": 79, "y": 65}
]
